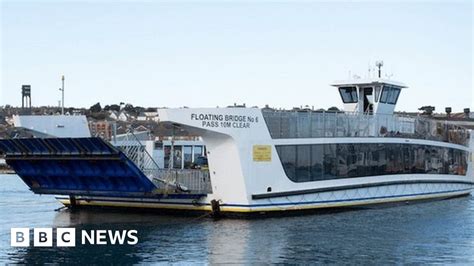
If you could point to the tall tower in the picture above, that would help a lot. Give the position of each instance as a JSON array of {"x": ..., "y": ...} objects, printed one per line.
[{"x": 26, "y": 96}]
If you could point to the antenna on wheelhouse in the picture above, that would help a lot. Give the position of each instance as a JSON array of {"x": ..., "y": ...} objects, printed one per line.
[{"x": 379, "y": 65}]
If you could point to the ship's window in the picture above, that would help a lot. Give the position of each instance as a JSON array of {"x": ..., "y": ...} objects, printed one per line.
[
  {"x": 178, "y": 157},
  {"x": 330, "y": 160},
  {"x": 345, "y": 158},
  {"x": 288, "y": 160},
  {"x": 317, "y": 160},
  {"x": 167, "y": 151},
  {"x": 390, "y": 94},
  {"x": 383, "y": 98},
  {"x": 393, "y": 96},
  {"x": 394, "y": 160},
  {"x": 188, "y": 156},
  {"x": 348, "y": 94},
  {"x": 303, "y": 163},
  {"x": 377, "y": 93},
  {"x": 197, "y": 152}
]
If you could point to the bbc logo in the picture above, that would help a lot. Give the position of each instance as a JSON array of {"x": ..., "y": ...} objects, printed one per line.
[
  {"x": 43, "y": 237},
  {"x": 66, "y": 237}
]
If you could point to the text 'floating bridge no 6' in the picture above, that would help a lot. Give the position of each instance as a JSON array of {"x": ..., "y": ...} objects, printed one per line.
[{"x": 86, "y": 167}]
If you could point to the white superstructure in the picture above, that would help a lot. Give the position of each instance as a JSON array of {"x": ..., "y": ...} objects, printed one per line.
[{"x": 263, "y": 160}]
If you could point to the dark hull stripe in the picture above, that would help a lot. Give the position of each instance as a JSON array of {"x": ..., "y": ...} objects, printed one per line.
[
  {"x": 468, "y": 190},
  {"x": 345, "y": 187}
]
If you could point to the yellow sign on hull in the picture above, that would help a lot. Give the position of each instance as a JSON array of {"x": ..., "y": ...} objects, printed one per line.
[{"x": 262, "y": 153}]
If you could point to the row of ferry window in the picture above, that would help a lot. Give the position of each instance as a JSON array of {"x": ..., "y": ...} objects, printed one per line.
[
  {"x": 303, "y": 163},
  {"x": 389, "y": 94}
]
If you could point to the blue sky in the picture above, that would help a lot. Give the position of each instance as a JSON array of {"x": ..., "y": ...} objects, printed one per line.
[{"x": 207, "y": 54}]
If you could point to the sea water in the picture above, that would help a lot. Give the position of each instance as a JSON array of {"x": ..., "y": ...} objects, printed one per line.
[{"x": 431, "y": 232}]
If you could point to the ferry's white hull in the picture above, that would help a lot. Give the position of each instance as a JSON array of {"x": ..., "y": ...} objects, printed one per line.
[{"x": 330, "y": 198}]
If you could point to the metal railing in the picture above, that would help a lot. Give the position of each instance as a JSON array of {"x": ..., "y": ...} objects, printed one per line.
[
  {"x": 177, "y": 180},
  {"x": 187, "y": 180},
  {"x": 315, "y": 124},
  {"x": 134, "y": 149}
]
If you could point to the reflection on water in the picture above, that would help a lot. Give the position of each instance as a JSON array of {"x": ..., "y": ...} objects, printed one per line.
[{"x": 439, "y": 232}]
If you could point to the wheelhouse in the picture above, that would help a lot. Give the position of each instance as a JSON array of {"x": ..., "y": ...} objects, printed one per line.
[{"x": 372, "y": 96}]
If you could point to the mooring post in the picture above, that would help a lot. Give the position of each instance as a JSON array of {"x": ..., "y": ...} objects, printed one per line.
[
  {"x": 72, "y": 202},
  {"x": 216, "y": 209}
]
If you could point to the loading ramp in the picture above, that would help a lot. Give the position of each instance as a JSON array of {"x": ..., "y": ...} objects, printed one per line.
[{"x": 90, "y": 167}]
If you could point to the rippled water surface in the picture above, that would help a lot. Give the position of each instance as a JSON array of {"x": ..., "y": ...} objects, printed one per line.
[{"x": 441, "y": 232}]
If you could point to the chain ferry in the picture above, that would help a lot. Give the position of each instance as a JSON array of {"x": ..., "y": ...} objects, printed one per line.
[{"x": 264, "y": 161}]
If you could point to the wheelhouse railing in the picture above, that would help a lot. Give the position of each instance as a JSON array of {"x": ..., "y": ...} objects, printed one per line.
[{"x": 316, "y": 124}]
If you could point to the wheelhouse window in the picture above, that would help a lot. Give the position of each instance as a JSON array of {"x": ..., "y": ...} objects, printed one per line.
[
  {"x": 348, "y": 94},
  {"x": 378, "y": 89},
  {"x": 390, "y": 94}
]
